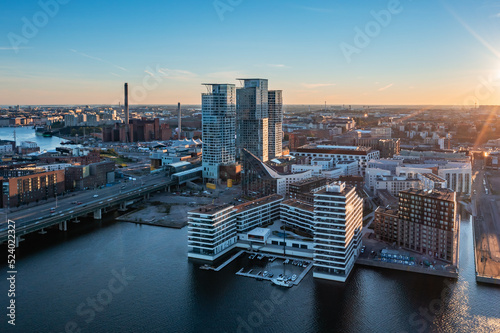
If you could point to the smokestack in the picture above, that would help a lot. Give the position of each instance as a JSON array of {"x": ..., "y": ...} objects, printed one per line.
[
  {"x": 180, "y": 122},
  {"x": 126, "y": 113}
]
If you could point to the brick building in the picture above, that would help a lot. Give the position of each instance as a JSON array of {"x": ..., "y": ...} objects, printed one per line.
[{"x": 29, "y": 188}]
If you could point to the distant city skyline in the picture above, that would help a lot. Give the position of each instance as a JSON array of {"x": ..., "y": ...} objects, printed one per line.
[{"x": 367, "y": 53}]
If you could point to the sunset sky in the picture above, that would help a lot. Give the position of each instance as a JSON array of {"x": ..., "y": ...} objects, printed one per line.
[{"x": 425, "y": 52}]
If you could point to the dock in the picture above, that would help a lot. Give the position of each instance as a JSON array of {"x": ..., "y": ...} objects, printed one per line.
[{"x": 249, "y": 274}]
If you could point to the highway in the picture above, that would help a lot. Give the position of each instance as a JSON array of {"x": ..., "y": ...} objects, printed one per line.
[{"x": 71, "y": 202}]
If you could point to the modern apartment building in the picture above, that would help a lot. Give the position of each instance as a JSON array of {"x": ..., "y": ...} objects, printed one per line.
[
  {"x": 31, "y": 187},
  {"x": 296, "y": 214},
  {"x": 339, "y": 154},
  {"x": 211, "y": 231},
  {"x": 257, "y": 213},
  {"x": 426, "y": 222},
  {"x": 338, "y": 222},
  {"x": 219, "y": 128},
  {"x": 275, "y": 98},
  {"x": 252, "y": 109}
]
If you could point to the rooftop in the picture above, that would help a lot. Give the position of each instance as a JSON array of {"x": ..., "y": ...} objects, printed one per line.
[
  {"x": 307, "y": 181},
  {"x": 259, "y": 232},
  {"x": 258, "y": 202},
  {"x": 347, "y": 162},
  {"x": 330, "y": 149},
  {"x": 210, "y": 209},
  {"x": 388, "y": 211},
  {"x": 440, "y": 193},
  {"x": 433, "y": 177},
  {"x": 336, "y": 187},
  {"x": 298, "y": 204}
]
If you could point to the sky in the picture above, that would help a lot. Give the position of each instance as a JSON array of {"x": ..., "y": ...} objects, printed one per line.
[{"x": 364, "y": 52}]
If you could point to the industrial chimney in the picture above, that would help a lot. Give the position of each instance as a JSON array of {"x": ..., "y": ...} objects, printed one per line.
[
  {"x": 180, "y": 116},
  {"x": 126, "y": 114}
]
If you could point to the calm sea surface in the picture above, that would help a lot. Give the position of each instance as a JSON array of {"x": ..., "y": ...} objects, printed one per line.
[{"x": 159, "y": 290}]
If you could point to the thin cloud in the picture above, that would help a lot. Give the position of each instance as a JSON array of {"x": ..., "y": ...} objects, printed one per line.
[
  {"x": 386, "y": 87},
  {"x": 317, "y": 85},
  {"x": 114, "y": 74},
  {"x": 98, "y": 59},
  {"x": 277, "y": 65},
  {"x": 175, "y": 74}
]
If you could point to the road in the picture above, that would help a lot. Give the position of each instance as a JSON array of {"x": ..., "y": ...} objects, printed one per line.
[
  {"x": 69, "y": 202},
  {"x": 487, "y": 222}
]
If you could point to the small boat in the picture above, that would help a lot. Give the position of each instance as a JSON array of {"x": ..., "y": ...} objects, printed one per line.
[
  {"x": 260, "y": 257},
  {"x": 281, "y": 282},
  {"x": 294, "y": 277},
  {"x": 206, "y": 267}
]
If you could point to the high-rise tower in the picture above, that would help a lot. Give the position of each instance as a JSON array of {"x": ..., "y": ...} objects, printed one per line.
[
  {"x": 275, "y": 123},
  {"x": 218, "y": 110},
  {"x": 252, "y": 123}
]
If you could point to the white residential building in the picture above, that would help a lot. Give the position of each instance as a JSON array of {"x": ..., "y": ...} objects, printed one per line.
[
  {"x": 337, "y": 231},
  {"x": 349, "y": 168},
  {"x": 395, "y": 184},
  {"x": 458, "y": 176},
  {"x": 257, "y": 213},
  {"x": 211, "y": 231},
  {"x": 371, "y": 176},
  {"x": 340, "y": 153},
  {"x": 297, "y": 214},
  {"x": 316, "y": 170}
]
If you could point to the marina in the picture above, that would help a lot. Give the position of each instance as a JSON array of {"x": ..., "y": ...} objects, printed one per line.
[{"x": 272, "y": 270}]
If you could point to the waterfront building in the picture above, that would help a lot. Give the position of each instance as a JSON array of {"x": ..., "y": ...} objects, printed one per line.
[
  {"x": 298, "y": 215},
  {"x": 427, "y": 222},
  {"x": 338, "y": 220},
  {"x": 211, "y": 231},
  {"x": 257, "y": 213}
]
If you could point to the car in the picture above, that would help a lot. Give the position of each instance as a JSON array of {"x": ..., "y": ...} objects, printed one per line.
[
  {"x": 96, "y": 195},
  {"x": 79, "y": 203},
  {"x": 52, "y": 209},
  {"x": 74, "y": 202}
]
